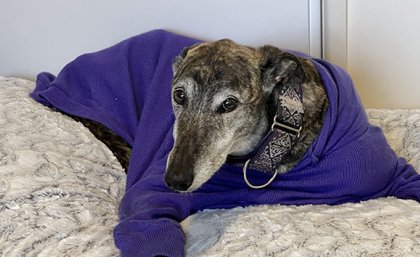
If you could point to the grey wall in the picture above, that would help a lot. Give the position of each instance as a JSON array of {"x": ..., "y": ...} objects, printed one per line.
[
  {"x": 44, "y": 35},
  {"x": 384, "y": 52},
  {"x": 378, "y": 42}
]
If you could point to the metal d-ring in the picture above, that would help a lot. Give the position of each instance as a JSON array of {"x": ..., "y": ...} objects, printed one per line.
[{"x": 251, "y": 185}]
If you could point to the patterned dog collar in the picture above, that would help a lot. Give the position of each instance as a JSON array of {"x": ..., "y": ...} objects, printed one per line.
[{"x": 283, "y": 135}]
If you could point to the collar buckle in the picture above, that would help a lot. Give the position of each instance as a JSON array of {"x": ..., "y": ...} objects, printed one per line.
[{"x": 285, "y": 127}]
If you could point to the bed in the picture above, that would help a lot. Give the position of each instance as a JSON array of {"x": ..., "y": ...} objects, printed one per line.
[{"x": 60, "y": 188}]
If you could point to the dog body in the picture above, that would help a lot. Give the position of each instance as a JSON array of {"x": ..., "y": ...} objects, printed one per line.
[
  {"x": 224, "y": 97},
  {"x": 224, "y": 104}
]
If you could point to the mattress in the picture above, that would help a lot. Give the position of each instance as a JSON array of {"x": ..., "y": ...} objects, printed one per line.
[{"x": 60, "y": 188}]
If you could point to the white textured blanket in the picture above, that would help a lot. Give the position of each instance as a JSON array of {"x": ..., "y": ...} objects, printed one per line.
[{"x": 60, "y": 188}]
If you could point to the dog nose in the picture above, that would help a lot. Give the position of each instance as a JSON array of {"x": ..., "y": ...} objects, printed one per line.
[{"x": 178, "y": 182}]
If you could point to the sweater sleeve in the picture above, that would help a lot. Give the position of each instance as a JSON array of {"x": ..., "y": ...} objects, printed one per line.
[
  {"x": 149, "y": 220},
  {"x": 137, "y": 237}
]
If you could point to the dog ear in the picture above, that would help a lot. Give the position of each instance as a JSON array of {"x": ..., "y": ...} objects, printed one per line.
[
  {"x": 278, "y": 66},
  {"x": 179, "y": 58}
]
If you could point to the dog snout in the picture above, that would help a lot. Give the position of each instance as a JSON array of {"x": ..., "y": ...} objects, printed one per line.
[
  {"x": 179, "y": 173},
  {"x": 179, "y": 181}
]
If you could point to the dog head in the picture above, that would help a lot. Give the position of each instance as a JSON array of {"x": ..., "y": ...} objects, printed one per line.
[{"x": 220, "y": 92}]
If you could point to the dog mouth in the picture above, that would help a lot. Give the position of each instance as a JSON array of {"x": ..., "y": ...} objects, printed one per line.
[
  {"x": 193, "y": 175},
  {"x": 187, "y": 181}
]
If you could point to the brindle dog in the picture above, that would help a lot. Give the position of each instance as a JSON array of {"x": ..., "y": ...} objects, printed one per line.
[{"x": 224, "y": 103}]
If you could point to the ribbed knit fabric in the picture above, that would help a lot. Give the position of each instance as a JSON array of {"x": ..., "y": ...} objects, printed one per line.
[{"x": 127, "y": 88}]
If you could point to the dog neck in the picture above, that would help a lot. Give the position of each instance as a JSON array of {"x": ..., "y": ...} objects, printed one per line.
[{"x": 282, "y": 132}]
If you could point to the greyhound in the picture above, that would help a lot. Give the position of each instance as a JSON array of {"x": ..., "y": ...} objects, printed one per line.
[
  {"x": 224, "y": 102},
  {"x": 223, "y": 97}
]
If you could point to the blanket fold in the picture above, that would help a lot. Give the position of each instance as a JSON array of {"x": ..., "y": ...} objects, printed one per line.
[{"x": 127, "y": 88}]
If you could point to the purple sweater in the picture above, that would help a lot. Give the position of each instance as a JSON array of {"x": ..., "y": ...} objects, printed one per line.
[{"x": 127, "y": 88}]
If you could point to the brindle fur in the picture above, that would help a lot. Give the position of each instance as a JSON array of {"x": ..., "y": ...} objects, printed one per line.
[
  {"x": 210, "y": 72},
  {"x": 118, "y": 146}
]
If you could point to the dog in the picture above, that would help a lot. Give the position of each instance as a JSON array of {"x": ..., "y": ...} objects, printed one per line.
[
  {"x": 225, "y": 108},
  {"x": 224, "y": 103}
]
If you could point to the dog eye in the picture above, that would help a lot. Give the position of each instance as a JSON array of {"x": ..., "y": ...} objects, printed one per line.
[
  {"x": 228, "y": 105},
  {"x": 179, "y": 96}
]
